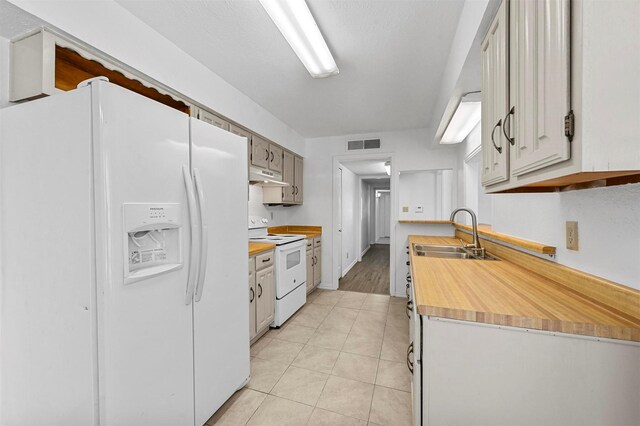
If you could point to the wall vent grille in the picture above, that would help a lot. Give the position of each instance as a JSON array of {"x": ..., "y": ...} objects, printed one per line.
[{"x": 363, "y": 144}]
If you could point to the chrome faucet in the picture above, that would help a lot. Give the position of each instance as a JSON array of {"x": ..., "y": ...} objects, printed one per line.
[{"x": 474, "y": 223}]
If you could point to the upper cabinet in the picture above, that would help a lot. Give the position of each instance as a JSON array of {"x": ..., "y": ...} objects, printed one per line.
[
  {"x": 275, "y": 158},
  {"x": 213, "y": 119},
  {"x": 292, "y": 172},
  {"x": 538, "y": 84},
  {"x": 297, "y": 182},
  {"x": 559, "y": 110},
  {"x": 495, "y": 97},
  {"x": 260, "y": 153}
]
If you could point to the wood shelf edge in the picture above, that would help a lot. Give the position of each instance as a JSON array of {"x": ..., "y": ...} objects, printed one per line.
[
  {"x": 519, "y": 242},
  {"x": 426, "y": 221}
]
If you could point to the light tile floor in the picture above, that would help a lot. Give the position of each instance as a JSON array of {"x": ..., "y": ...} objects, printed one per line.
[{"x": 340, "y": 360}]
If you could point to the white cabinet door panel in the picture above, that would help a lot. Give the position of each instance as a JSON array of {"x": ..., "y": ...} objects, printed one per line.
[{"x": 539, "y": 83}]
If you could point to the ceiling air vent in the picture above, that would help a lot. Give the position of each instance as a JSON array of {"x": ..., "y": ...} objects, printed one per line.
[
  {"x": 353, "y": 145},
  {"x": 372, "y": 143},
  {"x": 363, "y": 144}
]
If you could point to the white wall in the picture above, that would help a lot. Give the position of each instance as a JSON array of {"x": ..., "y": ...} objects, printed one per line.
[
  {"x": 350, "y": 212},
  {"x": 608, "y": 224},
  {"x": 365, "y": 216},
  {"x": 4, "y": 72},
  {"x": 410, "y": 152},
  {"x": 110, "y": 28}
]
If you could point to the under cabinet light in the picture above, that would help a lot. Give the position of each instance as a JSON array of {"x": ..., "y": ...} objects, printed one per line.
[
  {"x": 466, "y": 117},
  {"x": 294, "y": 20}
]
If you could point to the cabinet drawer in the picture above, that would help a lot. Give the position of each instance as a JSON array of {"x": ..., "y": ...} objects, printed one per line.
[
  {"x": 317, "y": 242},
  {"x": 252, "y": 265},
  {"x": 309, "y": 244},
  {"x": 264, "y": 260}
]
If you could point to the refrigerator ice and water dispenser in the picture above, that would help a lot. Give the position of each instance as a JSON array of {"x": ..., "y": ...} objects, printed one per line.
[{"x": 153, "y": 240}]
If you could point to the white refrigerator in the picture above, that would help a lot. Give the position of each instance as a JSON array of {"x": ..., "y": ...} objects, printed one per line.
[{"x": 124, "y": 260}]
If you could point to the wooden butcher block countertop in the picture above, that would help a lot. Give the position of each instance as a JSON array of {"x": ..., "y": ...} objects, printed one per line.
[
  {"x": 255, "y": 248},
  {"x": 504, "y": 293},
  {"x": 308, "y": 231}
]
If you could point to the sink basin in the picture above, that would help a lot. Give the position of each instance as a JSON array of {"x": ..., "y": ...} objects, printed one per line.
[
  {"x": 448, "y": 252},
  {"x": 439, "y": 248},
  {"x": 445, "y": 254}
]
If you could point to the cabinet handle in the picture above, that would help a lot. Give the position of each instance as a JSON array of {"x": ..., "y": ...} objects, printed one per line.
[
  {"x": 253, "y": 295},
  {"x": 409, "y": 308},
  {"x": 408, "y": 295},
  {"x": 498, "y": 148},
  {"x": 259, "y": 288},
  {"x": 266, "y": 260},
  {"x": 293, "y": 190},
  {"x": 409, "y": 363},
  {"x": 267, "y": 151},
  {"x": 511, "y": 112},
  {"x": 272, "y": 156}
]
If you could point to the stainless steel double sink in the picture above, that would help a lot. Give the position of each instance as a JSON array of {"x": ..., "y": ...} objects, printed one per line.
[{"x": 450, "y": 252}]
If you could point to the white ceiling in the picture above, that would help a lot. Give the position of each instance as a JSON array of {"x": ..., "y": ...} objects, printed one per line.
[{"x": 391, "y": 55}]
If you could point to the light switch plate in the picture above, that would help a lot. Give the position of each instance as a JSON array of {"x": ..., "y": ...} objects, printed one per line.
[
  {"x": 572, "y": 236},
  {"x": 418, "y": 209},
  {"x": 405, "y": 209}
]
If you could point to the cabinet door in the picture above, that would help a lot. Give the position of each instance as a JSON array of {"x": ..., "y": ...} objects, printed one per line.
[
  {"x": 266, "y": 298},
  {"x": 298, "y": 172},
  {"x": 260, "y": 153},
  {"x": 539, "y": 83},
  {"x": 288, "y": 176},
  {"x": 310, "y": 262},
  {"x": 275, "y": 158},
  {"x": 252, "y": 305},
  {"x": 495, "y": 96},
  {"x": 317, "y": 266},
  {"x": 207, "y": 117}
]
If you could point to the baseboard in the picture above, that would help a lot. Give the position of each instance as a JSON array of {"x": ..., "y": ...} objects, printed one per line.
[
  {"x": 365, "y": 251},
  {"x": 346, "y": 271}
]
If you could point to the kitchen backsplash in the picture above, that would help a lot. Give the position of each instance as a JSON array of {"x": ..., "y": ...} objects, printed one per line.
[{"x": 277, "y": 215}]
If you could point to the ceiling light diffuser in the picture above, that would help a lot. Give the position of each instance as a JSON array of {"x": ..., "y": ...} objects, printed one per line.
[
  {"x": 294, "y": 20},
  {"x": 466, "y": 117}
]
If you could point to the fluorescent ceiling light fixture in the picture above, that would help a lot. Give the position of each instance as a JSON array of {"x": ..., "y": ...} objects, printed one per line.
[
  {"x": 466, "y": 117},
  {"x": 387, "y": 167},
  {"x": 294, "y": 20}
]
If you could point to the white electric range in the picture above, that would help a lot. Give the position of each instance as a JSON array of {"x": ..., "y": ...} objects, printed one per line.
[{"x": 290, "y": 268}]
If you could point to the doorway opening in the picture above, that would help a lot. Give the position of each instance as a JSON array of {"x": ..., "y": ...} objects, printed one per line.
[{"x": 363, "y": 214}]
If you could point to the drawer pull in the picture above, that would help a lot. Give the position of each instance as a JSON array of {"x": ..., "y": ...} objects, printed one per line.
[
  {"x": 409, "y": 363},
  {"x": 268, "y": 259}
]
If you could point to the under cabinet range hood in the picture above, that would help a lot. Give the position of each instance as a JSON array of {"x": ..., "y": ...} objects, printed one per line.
[{"x": 263, "y": 177}]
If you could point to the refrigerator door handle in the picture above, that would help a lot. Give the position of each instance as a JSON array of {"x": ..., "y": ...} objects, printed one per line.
[
  {"x": 204, "y": 236},
  {"x": 195, "y": 235}
]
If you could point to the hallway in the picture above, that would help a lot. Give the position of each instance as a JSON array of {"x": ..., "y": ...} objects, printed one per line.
[{"x": 371, "y": 275}]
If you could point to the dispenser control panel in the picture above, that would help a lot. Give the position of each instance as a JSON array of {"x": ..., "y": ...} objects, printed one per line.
[{"x": 153, "y": 240}]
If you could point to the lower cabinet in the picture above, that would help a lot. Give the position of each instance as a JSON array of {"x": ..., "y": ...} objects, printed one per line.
[
  {"x": 509, "y": 375},
  {"x": 262, "y": 295},
  {"x": 314, "y": 262}
]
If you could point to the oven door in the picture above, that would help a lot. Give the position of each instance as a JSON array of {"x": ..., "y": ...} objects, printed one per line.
[{"x": 291, "y": 271}]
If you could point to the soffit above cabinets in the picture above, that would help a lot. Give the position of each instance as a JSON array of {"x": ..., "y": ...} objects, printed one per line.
[{"x": 391, "y": 56}]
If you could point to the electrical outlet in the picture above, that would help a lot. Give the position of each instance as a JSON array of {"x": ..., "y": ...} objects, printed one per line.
[
  {"x": 572, "y": 236},
  {"x": 418, "y": 209}
]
